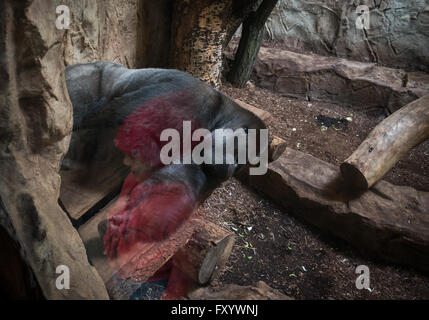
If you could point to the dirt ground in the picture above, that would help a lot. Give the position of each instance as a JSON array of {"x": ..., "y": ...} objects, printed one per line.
[{"x": 288, "y": 254}]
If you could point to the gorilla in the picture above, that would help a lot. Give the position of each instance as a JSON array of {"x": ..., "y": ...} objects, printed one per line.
[
  {"x": 120, "y": 110},
  {"x": 104, "y": 94}
]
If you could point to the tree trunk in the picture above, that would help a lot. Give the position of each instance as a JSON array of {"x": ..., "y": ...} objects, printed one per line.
[
  {"x": 154, "y": 49},
  {"x": 250, "y": 42},
  {"x": 240, "y": 10},
  {"x": 198, "y": 35},
  {"x": 190, "y": 35}
]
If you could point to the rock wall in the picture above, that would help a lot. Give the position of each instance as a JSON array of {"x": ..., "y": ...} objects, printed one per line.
[
  {"x": 398, "y": 35},
  {"x": 102, "y": 30},
  {"x": 336, "y": 80},
  {"x": 36, "y": 122}
]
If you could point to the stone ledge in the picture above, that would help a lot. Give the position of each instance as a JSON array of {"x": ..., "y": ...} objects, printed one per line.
[{"x": 337, "y": 80}]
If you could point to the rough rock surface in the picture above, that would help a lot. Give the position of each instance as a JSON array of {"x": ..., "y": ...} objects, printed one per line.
[
  {"x": 261, "y": 291},
  {"x": 102, "y": 30},
  {"x": 331, "y": 79},
  {"x": 398, "y": 35},
  {"x": 387, "y": 221},
  {"x": 36, "y": 122}
]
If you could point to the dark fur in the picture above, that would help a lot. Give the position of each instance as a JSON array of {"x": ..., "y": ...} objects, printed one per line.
[{"x": 103, "y": 95}]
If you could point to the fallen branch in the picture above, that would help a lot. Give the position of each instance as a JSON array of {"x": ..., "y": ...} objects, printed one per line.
[
  {"x": 387, "y": 143},
  {"x": 261, "y": 291},
  {"x": 201, "y": 258},
  {"x": 387, "y": 222},
  {"x": 276, "y": 148}
]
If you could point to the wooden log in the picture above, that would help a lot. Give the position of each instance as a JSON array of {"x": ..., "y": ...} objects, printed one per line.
[
  {"x": 84, "y": 185},
  {"x": 387, "y": 143},
  {"x": 276, "y": 148},
  {"x": 94, "y": 244},
  {"x": 387, "y": 222},
  {"x": 261, "y": 114},
  {"x": 206, "y": 253},
  {"x": 261, "y": 291},
  {"x": 202, "y": 257}
]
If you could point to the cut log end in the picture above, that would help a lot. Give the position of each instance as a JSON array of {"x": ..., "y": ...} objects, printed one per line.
[
  {"x": 276, "y": 148},
  {"x": 215, "y": 259},
  {"x": 353, "y": 176},
  {"x": 206, "y": 253}
]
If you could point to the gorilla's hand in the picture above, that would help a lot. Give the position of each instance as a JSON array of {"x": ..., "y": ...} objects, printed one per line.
[{"x": 158, "y": 211}]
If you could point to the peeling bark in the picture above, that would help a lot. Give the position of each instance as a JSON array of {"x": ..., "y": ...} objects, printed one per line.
[
  {"x": 190, "y": 35},
  {"x": 199, "y": 32}
]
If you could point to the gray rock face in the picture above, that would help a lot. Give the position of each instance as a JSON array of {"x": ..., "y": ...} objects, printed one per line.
[
  {"x": 398, "y": 35},
  {"x": 36, "y": 122}
]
